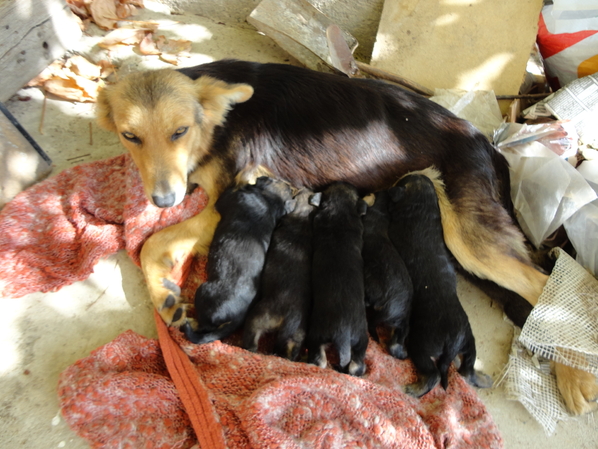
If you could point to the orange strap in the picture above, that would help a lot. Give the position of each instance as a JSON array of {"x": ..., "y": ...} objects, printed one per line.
[{"x": 191, "y": 390}]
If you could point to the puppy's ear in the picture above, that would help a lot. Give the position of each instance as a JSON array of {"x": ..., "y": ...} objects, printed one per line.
[
  {"x": 263, "y": 182},
  {"x": 104, "y": 110},
  {"x": 218, "y": 97},
  {"x": 315, "y": 199},
  {"x": 289, "y": 206},
  {"x": 396, "y": 192},
  {"x": 362, "y": 207}
]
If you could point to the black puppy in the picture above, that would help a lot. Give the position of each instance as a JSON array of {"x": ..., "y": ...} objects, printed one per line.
[
  {"x": 236, "y": 257},
  {"x": 388, "y": 288},
  {"x": 338, "y": 311},
  {"x": 439, "y": 327},
  {"x": 285, "y": 297}
]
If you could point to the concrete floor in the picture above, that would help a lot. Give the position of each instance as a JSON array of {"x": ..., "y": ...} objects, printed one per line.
[{"x": 42, "y": 334}]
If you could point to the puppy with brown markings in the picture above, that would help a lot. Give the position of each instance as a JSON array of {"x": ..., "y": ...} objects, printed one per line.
[
  {"x": 388, "y": 288},
  {"x": 236, "y": 258},
  {"x": 439, "y": 327},
  {"x": 338, "y": 310},
  {"x": 205, "y": 125},
  {"x": 285, "y": 298}
]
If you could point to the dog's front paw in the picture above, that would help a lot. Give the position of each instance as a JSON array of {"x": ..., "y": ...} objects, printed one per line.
[
  {"x": 172, "y": 310},
  {"x": 578, "y": 389}
]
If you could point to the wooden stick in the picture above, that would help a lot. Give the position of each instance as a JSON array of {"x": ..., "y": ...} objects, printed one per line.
[
  {"x": 382, "y": 74},
  {"x": 90, "y": 134},
  {"x": 524, "y": 96},
  {"x": 41, "y": 122}
]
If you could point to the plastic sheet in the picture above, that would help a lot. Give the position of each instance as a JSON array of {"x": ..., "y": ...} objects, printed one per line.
[{"x": 545, "y": 189}]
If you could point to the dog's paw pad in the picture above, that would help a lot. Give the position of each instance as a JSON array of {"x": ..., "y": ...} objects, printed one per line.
[
  {"x": 169, "y": 302},
  {"x": 177, "y": 316}
]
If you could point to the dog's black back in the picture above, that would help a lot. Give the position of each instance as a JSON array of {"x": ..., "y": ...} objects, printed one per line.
[
  {"x": 388, "y": 288},
  {"x": 439, "y": 327},
  {"x": 285, "y": 297},
  {"x": 338, "y": 311},
  {"x": 236, "y": 257}
]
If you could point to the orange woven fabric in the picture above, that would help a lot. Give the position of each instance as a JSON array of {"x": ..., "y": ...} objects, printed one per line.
[{"x": 124, "y": 395}]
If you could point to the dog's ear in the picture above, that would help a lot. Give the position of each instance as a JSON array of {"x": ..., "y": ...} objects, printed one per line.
[
  {"x": 289, "y": 206},
  {"x": 104, "y": 110},
  {"x": 395, "y": 193},
  {"x": 362, "y": 207},
  {"x": 217, "y": 97},
  {"x": 315, "y": 199}
]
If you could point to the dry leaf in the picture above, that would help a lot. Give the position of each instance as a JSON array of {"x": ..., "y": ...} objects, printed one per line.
[
  {"x": 147, "y": 46},
  {"x": 175, "y": 46},
  {"x": 74, "y": 89},
  {"x": 81, "y": 66},
  {"x": 103, "y": 13},
  {"x": 124, "y": 36},
  {"x": 80, "y": 8},
  {"x": 172, "y": 59},
  {"x": 107, "y": 68},
  {"x": 49, "y": 72}
]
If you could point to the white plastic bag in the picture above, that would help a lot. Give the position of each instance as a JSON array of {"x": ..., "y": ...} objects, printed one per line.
[{"x": 545, "y": 189}]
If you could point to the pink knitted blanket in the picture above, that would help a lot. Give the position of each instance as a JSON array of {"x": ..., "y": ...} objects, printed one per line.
[{"x": 123, "y": 394}]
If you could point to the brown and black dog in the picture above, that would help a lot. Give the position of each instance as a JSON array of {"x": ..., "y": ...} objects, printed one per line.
[{"x": 208, "y": 124}]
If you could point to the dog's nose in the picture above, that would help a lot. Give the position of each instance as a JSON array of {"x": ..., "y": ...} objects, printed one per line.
[{"x": 164, "y": 201}]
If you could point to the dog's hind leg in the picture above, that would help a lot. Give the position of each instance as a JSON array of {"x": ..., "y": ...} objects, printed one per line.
[{"x": 172, "y": 245}]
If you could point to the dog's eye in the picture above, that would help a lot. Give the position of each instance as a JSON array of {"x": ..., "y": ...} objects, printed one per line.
[
  {"x": 179, "y": 132},
  {"x": 131, "y": 137}
]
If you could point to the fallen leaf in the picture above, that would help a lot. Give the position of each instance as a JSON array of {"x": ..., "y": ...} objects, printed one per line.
[
  {"x": 147, "y": 46},
  {"x": 174, "y": 46},
  {"x": 103, "y": 13},
  {"x": 73, "y": 89},
  {"x": 81, "y": 66},
  {"x": 124, "y": 36},
  {"x": 107, "y": 68},
  {"x": 172, "y": 59},
  {"x": 80, "y": 8},
  {"x": 49, "y": 72}
]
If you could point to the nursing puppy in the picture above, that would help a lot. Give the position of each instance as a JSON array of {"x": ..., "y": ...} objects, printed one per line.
[
  {"x": 388, "y": 288},
  {"x": 439, "y": 327},
  {"x": 285, "y": 298},
  {"x": 338, "y": 311},
  {"x": 236, "y": 258}
]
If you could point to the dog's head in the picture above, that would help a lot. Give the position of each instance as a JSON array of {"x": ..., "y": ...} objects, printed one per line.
[{"x": 166, "y": 121}]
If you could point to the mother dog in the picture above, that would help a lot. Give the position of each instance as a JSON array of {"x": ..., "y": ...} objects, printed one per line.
[{"x": 210, "y": 124}]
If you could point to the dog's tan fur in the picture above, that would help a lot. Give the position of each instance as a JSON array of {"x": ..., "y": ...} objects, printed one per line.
[{"x": 169, "y": 137}]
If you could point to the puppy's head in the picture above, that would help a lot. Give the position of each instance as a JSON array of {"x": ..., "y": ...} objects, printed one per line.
[
  {"x": 279, "y": 189},
  {"x": 166, "y": 121},
  {"x": 341, "y": 196},
  {"x": 413, "y": 186}
]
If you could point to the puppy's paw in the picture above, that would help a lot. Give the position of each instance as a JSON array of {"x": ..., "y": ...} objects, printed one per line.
[
  {"x": 479, "y": 379},
  {"x": 422, "y": 386},
  {"x": 356, "y": 368},
  {"x": 171, "y": 309},
  {"x": 578, "y": 389},
  {"x": 398, "y": 351}
]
